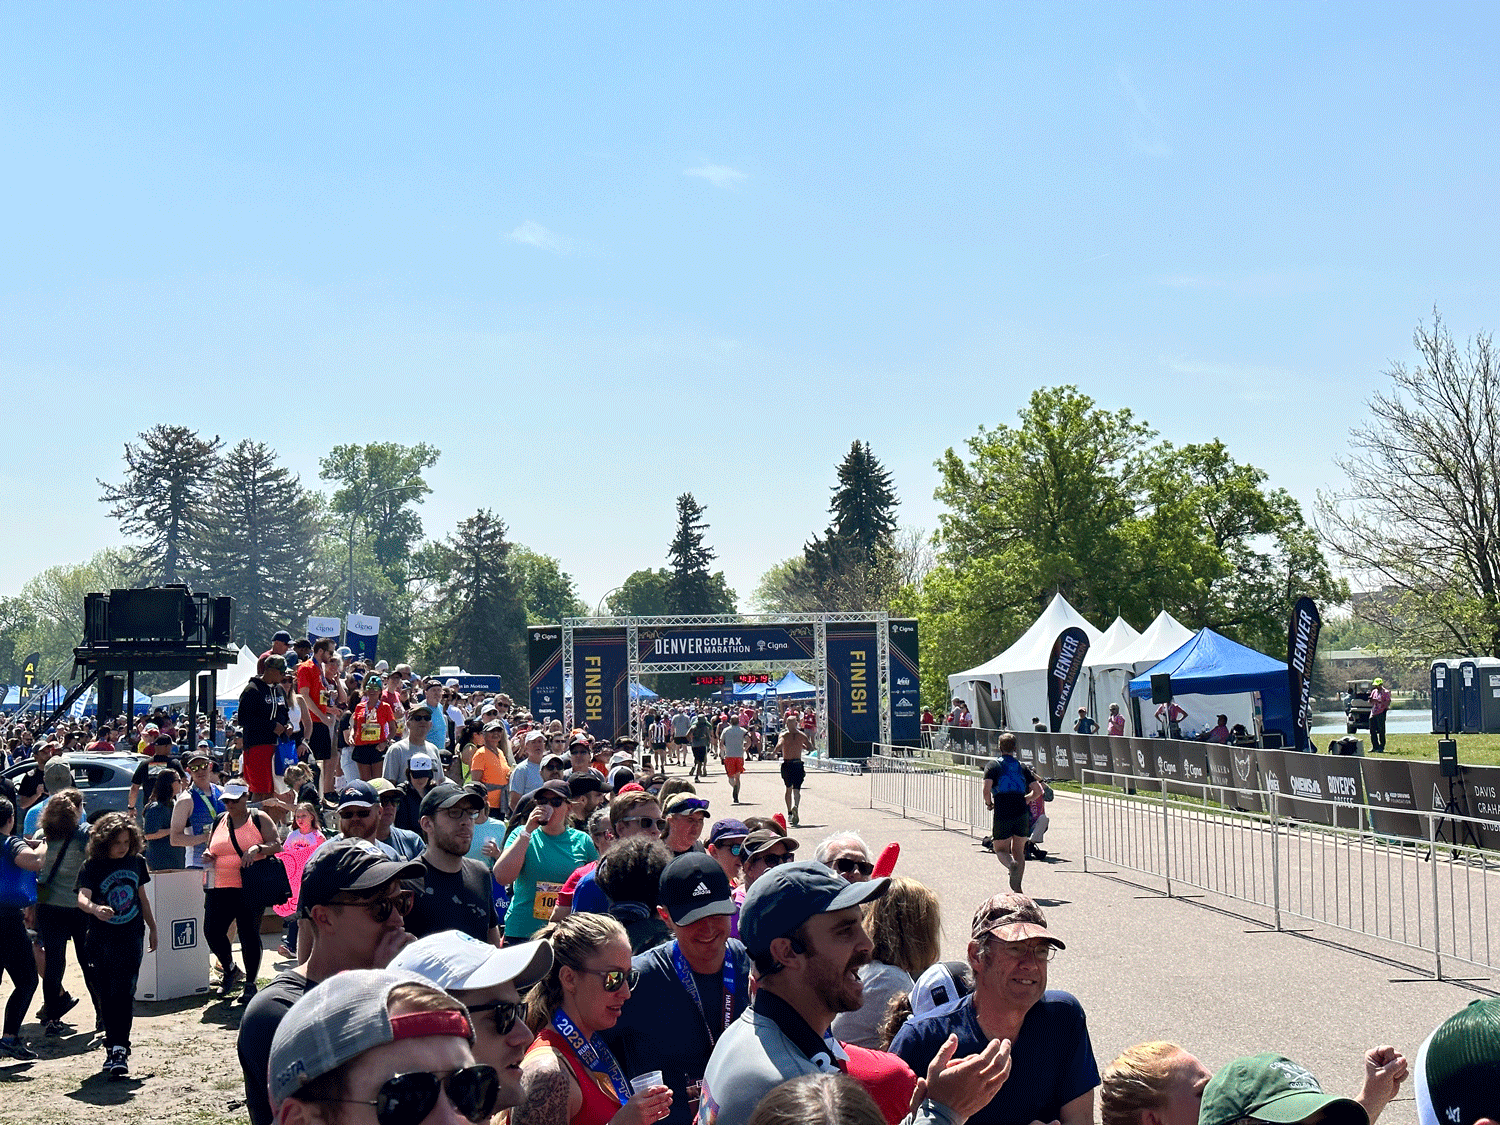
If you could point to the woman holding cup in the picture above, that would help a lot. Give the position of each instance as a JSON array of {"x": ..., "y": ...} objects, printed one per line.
[{"x": 569, "y": 1077}]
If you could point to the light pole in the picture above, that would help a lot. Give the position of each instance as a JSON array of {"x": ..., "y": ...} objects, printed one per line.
[
  {"x": 599, "y": 609},
  {"x": 354, "y": 518}
]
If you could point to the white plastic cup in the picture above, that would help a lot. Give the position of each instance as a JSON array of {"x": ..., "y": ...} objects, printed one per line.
[{"x": 645, "y": 1081}]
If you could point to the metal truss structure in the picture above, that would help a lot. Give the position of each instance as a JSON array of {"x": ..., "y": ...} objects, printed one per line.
[{"x": 818, "y": 664}]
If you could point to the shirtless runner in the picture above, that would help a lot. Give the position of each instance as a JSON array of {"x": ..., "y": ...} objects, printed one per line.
[{"x": 793, "y": 744}]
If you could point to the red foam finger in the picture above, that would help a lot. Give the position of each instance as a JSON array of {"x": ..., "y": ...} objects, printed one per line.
[{"x": 887, "y": 861}]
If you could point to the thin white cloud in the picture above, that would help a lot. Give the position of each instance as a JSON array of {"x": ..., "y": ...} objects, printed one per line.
[
  {"x": 1146, "y": 132},
  {"x": 720, "y": 175},
  {"x": 532, "y": 233},
  {"x": 1246, "y": 382}
]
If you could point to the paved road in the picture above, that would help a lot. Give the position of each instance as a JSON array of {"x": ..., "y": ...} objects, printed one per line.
[{"x": 1147, "y": 967}]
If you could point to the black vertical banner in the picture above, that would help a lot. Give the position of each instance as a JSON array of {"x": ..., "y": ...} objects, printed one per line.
[
  {"x": 544, "y": 646},
  {"x": 601, "y": 690},
  {"x": 1068, "y": 651},
  {"x": 28, "y": 675},
  {"x": 1301, "y": 650},
  {"x": 906, "y": 683}
]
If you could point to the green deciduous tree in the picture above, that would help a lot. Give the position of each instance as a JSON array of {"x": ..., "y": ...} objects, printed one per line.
[
  {"x": 548, "y": 592},
  {"x": 1419, "y": 516},
  {"x": 259, "y": 527},
  {"x": 477, "y": 616},
  {"x": 642, "y": 594},
  {"x": 161, "y": 501}
]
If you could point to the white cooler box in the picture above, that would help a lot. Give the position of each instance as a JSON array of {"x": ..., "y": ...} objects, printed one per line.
[{"x": 179, "y": 967}]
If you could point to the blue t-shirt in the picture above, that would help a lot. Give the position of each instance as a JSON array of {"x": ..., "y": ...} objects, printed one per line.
[
  {"x": 589, "y": 897},
  {"x": 1052, "y": 1060}
]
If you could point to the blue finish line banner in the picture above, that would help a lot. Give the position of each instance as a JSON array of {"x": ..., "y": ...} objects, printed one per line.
[
  {"x": 702, "y": 643},
  {"x": 601, "y": 689}
]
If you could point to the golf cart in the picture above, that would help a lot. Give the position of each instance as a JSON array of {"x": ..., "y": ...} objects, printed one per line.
[{"x": 1357, "y": 704}]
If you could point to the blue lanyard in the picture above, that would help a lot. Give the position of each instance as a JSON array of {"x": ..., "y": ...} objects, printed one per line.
[
  {"x": 685, "y": 975},
  {"x": 593, "y": 1054}
]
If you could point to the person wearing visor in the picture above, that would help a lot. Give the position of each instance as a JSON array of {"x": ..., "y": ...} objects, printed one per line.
[
  {"x": 490, "y": 983},
  {"x": 762, "y": 851},
  {"x": 687, "y": 813},
  {"x": 376, "y": 1047},
  {"x": 538, "y": 858}
]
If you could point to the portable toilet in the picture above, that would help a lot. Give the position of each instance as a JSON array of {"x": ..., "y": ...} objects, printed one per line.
[
  {"x": 1489, "y": 695},
  {"x": 1444, "y": 689},
  {"x": 1470, "y": 716}
]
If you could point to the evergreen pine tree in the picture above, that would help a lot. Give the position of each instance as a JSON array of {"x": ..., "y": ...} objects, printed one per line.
[
  {"x": 161, "y": 501},
  {"x": 480, "y": 617}
]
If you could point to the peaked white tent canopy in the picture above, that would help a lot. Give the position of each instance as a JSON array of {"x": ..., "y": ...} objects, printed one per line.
[
  {"x": 232, "y": 681},
  {"x": 1118, "y": 637},
  {"x": 1006, "y": 691}
]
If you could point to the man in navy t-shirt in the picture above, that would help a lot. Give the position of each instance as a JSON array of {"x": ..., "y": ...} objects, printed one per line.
[{"x": 1053, "y": 1073}]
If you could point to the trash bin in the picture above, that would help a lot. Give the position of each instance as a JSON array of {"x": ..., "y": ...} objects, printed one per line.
[{"x": 179, "y": 967}]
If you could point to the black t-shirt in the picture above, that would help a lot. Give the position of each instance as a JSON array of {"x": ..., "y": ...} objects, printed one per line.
[
  {"x": 146, "y": 772},
  {"x": 461, "y": 900},
  {"x": 30, "y": 785},
  {"x": 116, "y": 883},
  {"x": 1008, "y": 804},
  {"x": 257, "y": 1028}
]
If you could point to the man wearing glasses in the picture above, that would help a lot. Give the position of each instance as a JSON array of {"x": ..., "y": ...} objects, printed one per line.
[
  {"x": 196, "y": 809},
  {"x": 686, "y": 816},
  {"x": 847, "y": 854},
  {"x": 351, "y": 897},
  {"x": 1053, "y": 1074},
  {"x": 763, "y": 850},
  {"x": 454, "y": 892},
  {"x": 398, "y": 757}
]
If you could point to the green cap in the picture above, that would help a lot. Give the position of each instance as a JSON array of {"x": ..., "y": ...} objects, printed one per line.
[
  {"x": 1275, "y": 1089},
  {"x": 1458, "y": 1068}
]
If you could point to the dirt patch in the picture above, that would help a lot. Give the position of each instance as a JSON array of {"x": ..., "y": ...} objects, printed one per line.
[{"x": 183, "y": 1069}]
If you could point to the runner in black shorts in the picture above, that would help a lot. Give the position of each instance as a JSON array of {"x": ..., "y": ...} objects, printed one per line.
[
  {"x": 792, "y": 744},
  {"x": 1007, "y": 786}
]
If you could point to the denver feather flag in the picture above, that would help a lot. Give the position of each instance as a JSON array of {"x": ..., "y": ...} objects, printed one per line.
[
  {"x": 1068, "y": 651},
  {"x": 1301, "y": 650}
]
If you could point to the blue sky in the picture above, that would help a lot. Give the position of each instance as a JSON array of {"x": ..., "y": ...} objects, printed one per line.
[{"x": 603, "y": 254}]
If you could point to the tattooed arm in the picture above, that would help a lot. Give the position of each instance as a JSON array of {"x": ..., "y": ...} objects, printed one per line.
[{"x": 549, "y": 1094}]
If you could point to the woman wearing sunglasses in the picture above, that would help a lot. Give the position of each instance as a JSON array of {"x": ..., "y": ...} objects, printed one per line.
[
  {"x": 538, "y": 858},
  {"x": 569, "y": 1077},
  {"x": 403, "y": 1056}
]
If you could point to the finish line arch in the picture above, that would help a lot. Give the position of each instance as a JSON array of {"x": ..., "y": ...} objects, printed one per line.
[{"x": 862, "y": 665}]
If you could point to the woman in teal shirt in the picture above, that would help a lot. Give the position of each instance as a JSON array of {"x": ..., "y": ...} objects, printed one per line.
[{"x": 538, "y": 858}]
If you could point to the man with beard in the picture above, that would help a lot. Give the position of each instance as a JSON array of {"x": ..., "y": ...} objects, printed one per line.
[
  {"x": 454, "y": 893},
  {"x": 691, "y": 989},
  {"x": 1053, "y": 1059},
  {"x": 490, "y": 982},
  {"x": 801, "y": 925}
]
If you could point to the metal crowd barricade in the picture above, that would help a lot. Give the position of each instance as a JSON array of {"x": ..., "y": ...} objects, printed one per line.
[
  {"x": 926, "y": 790},
  {"x": 1437, "y": 895}
]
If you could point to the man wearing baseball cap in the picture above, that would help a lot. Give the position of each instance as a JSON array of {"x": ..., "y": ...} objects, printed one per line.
[
  {"x": 527, "y": 775},
  {"x": 1052, "y": 1061},
  {"x": 1380, "y": 703},
  {"x": 1274, "y": 1089},
  {"x": 399, "y": 754},
  {"x": 374, "y": 1037},
  {"x": 352, "y": 899},
  {"x": 489, "y": 982},
  {"x": 454, "y": 892},
  {"x": 1458, "y": 1069},
  {"x": 690, "y": 990},
  {"x": 801, "y": 925}
]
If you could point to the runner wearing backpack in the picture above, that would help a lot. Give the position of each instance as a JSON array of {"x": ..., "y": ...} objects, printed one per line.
[{"x": 1008, "y": 785}]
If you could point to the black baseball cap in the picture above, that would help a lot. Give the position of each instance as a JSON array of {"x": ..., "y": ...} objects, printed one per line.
[
  {"x": 584, "y": 781},
  {"x": 445, "y": 796},
  {"x": 786, "y": 896},
  {"x": 694, "y": 887},
  {"x": 357, "y": 794},
  {"x": 350, "y": 867},
  {"x": 283, "y": 636}
]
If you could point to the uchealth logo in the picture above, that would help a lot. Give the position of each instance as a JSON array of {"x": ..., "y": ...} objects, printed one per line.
[{"x": 1243, "y": 764}]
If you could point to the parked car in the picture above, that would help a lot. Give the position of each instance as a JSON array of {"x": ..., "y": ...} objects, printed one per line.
[
  {"x": 1357, "y": 704},
  {"x": 103, "y": 779}
]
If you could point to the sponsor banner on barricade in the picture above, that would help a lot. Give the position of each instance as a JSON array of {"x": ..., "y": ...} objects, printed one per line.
[
  {"x": 1220, "y": 774},
  {"x": 1245, "y": 761},
  {"x": 1043, "y": 752},
  {"x": 1139, "y": 758},
  {"x": 1026, "y": 750},
  {"x": 1304, "y": 783},
  {"x": 544, "y": 646},
  {"x": 1273, "y": 779},
  {"x": 1473, "y": 793},
  {"x": 1184, "y": 769},
  {"x": 1341, "y": 784},
  {"x": 1096, "y": 754},
  {"x": 1392, "y": 796},
  {"x": 1062, "y": 756}
]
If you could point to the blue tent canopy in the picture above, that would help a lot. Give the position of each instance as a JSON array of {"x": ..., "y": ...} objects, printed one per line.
[
  {"x": 1210, "y": 664},
  {"x": 793, "y": 686},
  {"x": 641, "y": 691}
]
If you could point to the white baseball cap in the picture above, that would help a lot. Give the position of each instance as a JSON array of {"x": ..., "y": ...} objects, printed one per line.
[{"x": 451, "y": 959}]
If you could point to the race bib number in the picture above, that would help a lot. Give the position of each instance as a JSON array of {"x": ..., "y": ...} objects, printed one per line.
[
  {"x": 545, "y": 901},
  {"x": 370, "y": 732}
]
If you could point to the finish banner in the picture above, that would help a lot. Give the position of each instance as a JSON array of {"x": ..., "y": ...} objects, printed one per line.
[
  {"x": 1068, "y": 651},
  {"x": 28, "y": 675},
  {"x": 731, "y": 644},
  {"x": 906, "y": 683},
  {"x": 601, "y": 682},
  {"x": 853, "y": 689},
  {"x": 544, "y": 646},
  {"x": 363, "y": 635},
  {"x": 1301, "y": 650}
]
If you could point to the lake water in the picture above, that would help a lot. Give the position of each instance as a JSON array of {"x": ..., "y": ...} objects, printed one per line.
[{"x": 1397, "y": 722}]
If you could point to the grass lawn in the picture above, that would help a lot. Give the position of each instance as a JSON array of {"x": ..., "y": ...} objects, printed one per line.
[{"x": 1473, "y": 749}]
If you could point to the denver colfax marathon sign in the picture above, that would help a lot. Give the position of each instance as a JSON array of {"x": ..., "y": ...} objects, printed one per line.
[{"x": 736, "y": 642}]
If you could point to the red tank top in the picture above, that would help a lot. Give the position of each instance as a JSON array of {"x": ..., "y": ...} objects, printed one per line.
[{"x": 599, "y": 1101}]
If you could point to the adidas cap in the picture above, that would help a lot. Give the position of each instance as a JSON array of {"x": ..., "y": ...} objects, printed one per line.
[{"x": 694, "y": 887}]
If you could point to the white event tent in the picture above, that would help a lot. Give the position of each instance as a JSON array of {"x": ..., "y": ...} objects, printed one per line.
[
  {"x": 1006, "y": 691},
  {"x": 232, "y": 681}
]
